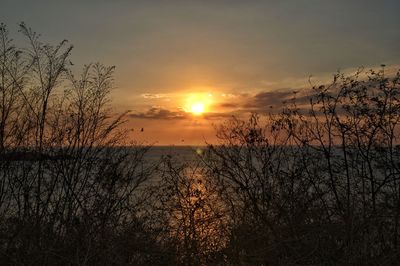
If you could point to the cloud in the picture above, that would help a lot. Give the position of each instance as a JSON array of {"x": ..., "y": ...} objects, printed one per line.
[
  {"x": 234, "y": 95},
  {"x": 160, "y": 113},
  {"x": 276, "y": 100},
  {"x": 216, "y": 115},
  {"x": 153, "y": 96},
  {"x": 269, "y": 98},
  {"x": 229, "y": 105}
]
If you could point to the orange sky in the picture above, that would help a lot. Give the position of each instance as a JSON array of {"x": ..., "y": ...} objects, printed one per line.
[
  {"x": 184, "y": 118},
  {"x": 172, "y": 118},
  {"x": 249, "y": 55}
]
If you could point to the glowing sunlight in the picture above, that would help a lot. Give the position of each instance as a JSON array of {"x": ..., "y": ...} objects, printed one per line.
[
  {"x": 198, "y": 103},
  {"x": 198, "y": 108}
]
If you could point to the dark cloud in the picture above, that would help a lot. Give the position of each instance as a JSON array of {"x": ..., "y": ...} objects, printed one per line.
[
  {"x": 160, "y": 113},
  {"x": 165, "y": 114},
  {"x": 229, "y": 105},
  {"x": 274, "y": 101},
  {"x": 270, "y": 98}
]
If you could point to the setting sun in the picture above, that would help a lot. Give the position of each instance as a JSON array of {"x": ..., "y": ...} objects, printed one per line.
[
  {"x": 198, "y": 103},
  {"x": 198, "y": 108}
]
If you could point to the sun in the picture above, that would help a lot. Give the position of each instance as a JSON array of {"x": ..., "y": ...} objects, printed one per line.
[
  {"x": 198, "y": 103},
  {"x": 198, "y": 108}
]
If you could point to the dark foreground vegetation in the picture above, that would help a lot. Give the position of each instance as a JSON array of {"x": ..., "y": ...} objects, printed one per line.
[{"x": 316, "y": 184}]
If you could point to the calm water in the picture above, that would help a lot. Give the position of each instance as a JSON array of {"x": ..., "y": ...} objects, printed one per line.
[{"x": 181, "y": 153}]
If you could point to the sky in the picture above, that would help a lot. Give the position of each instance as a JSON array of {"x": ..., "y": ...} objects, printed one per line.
[{"x": 183, "y": 67}]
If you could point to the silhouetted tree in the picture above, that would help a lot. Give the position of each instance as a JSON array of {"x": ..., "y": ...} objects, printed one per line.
[
  {"x": 318, "y": 183},
  {"x": 69, "y": 181}
]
